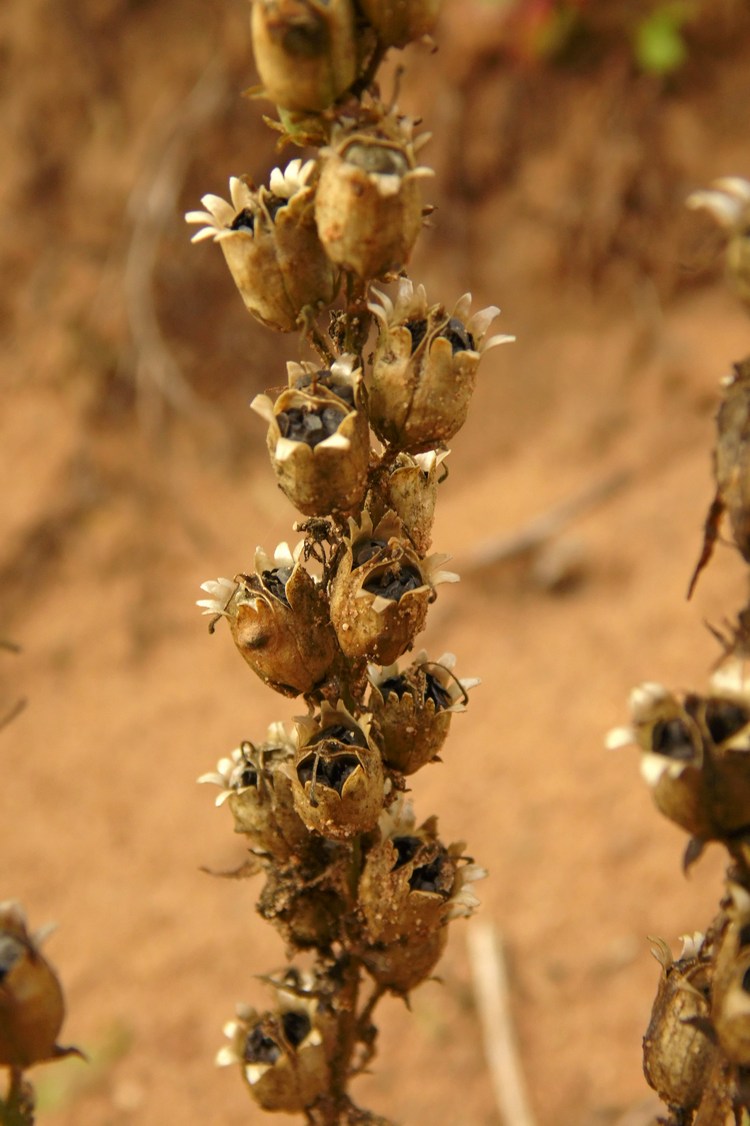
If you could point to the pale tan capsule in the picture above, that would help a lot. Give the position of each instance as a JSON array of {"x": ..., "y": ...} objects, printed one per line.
[{"x": 305, "y": 51}]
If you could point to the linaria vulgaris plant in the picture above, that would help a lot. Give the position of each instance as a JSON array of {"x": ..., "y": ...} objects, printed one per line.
[
  {"x": 356, "y": 438},
  {"x": 695, "y": 756}
]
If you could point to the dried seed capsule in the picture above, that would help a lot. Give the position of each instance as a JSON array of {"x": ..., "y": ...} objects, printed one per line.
[
  {"x": 306, "y": 915},
  {"x": 338, "y": 781},
  {"x": 413, "y": 708},
  {"x": 425, "y": 367},
  {"x": 410, "y": 490},
  {"x": 368, "y": 205},
  {"x": 31, "y": 999},
  {"x": 256, "y": 785},
  {"x": 279, "y": 620},
  {"x": 281, "y": 1055},
  {"x": 305, "y": 51},
  {"x": 319, "y": 443},
  {"x": 398, "y": 22},
  {"x": 678, "y": 1050},
  {"x": 271, "y": 245},
  {"x": 404, "y": 964},
  {"x": 381, "y": 590}
]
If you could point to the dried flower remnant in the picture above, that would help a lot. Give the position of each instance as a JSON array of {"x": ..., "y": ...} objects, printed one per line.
[
  {"x": 728, "y": 201},
  {"x": 271, "y": 245},
  {"x": 425, "y": 366},
  {"x": 398, "y": 22}
]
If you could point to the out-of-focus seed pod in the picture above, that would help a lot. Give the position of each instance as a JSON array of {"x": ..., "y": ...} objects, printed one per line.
[
  {"x": 338, "y": 780},
  {"x": 319, "y": 443},
  {"x": 271, "y": 245},
  {"x": 398, "y": 22},
  {"x": 731, "y": 1012},
  {"x": 31, "y": 998},
  {"x": 256, "y": 784},
  {"x": 306, "y": 915},
  {"x": 368, "y": 204},
  {"x": 413, "y": 708},
  {"x": 281, "y": 1056},
  {"x": 279, "y": 620},
  {"x": 381, "y": 590},
  {"x": 410, "y": 490},
  {"x": 305, "y": 51},
  {"x": 678, "y": 1050},
  {"x": 425, "y": 366}
]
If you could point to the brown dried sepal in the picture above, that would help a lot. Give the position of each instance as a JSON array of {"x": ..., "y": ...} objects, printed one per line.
[
  {"x": 731, "y": 468},
  {"x": 403, "y": 965}
]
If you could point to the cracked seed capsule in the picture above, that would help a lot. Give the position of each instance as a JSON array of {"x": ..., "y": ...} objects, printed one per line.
[
  {"x": 305, "y": 51},
  {"x": 425, "y": 366},
  {"x": 368, "y": 204},
  {"x": 413, "y": 708},
  {"x": 279, "y": 620},
  {"x": 319, "y": 441},
  {"x": 338, "y": 783},
  {"x": 381, "y": 590},
  {"x": 271, "y": 245},
  {"x": 410, "y": 490}
]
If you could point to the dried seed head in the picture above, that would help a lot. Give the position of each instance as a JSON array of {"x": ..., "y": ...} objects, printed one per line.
[
  {"x": 281, "y": 1056},
  {"x": 279, "y": 621},
  {"x": 413, "y": 708},
  {"x": 31, "y": 999},
  {"x": 410, "y": 490},
  {"x": 271, "y": 245},
  {"x": 425, "y": 366},
  {"x": 368, "y": 205},
  {"x": 319, "y": 442},
  {"x": 381, "y": 590},
  {"x": 398, "y": 22},
  {"x": 305, "y": 51},
  {"x": 678, "y": 1050},
  {"x": 256, "y": 784},
  {"x": 338, "y": 780}
]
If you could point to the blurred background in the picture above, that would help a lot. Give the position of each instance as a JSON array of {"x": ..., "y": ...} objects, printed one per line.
[{"x": 566, "y": 137}]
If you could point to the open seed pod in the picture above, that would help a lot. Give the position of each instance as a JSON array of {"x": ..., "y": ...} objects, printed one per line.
[
  {"x": 425, "y": 366},
  {"x": 413, "y": 708},
  {"x": 678, "y": 1049},
  {"x": 398, "y": 22},
  {"x": 281, "y": 1055},
  {"x": 673, "y": 756},
  {"x": 381, "y": 590},
  {"x": 271, "y": 245},
  {"x": 410, "y": 490},
  {"x": 338, "y": 780},
  {"x": 279, "y": 620},
  {"x": 256, "y": 784},
  {"x": 368, "y": 205},
  {"x": 319, "y": 443},
  {"x": 305, "y": 51},
  {"x": 32, "y": 1007}
]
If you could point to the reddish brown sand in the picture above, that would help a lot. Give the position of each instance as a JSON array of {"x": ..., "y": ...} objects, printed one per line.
[{"x": 560, "y": 197}]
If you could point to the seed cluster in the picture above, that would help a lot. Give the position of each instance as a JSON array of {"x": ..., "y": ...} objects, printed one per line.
[
  {"x": 357, "y": 441},
  {"x": 696, "y": 759}
]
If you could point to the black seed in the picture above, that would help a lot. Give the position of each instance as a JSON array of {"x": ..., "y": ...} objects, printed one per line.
[
  {"x": 394, "y": 582},
  {"x": 428, "y": 877},
  {"x": 338, "y": 732},
  {"x": 407, "y": 848},
  {"x": 744, "y": 935},
  {"x": 309, "y": 425},
  {"x": 365, "y": 550},
  {"x": 417, "y": 329},
  {"x": 243, "y": 221},
  {"x": 460, "y": 339},
  {"x": 398, "y": 684},
  {"x": 724, "y": 719},
  {"x": 296, "y": 1027},
  {"x": 434, "y": 691},
  {"x": 332, "y": 772},
  {"x": 672, "y": 738},
  {"x": 322, "y": 378},
  {"x": 275, "y": 582},
  {"x": 274, "y": 203},
  {"x": 248, "y": 777},
  {"x": 746, "y": 981},
  {"x": 260, "y": 1048}
]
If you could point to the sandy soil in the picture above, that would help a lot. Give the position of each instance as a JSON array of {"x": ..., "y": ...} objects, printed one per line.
[{"x": 560, "y": 197}]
